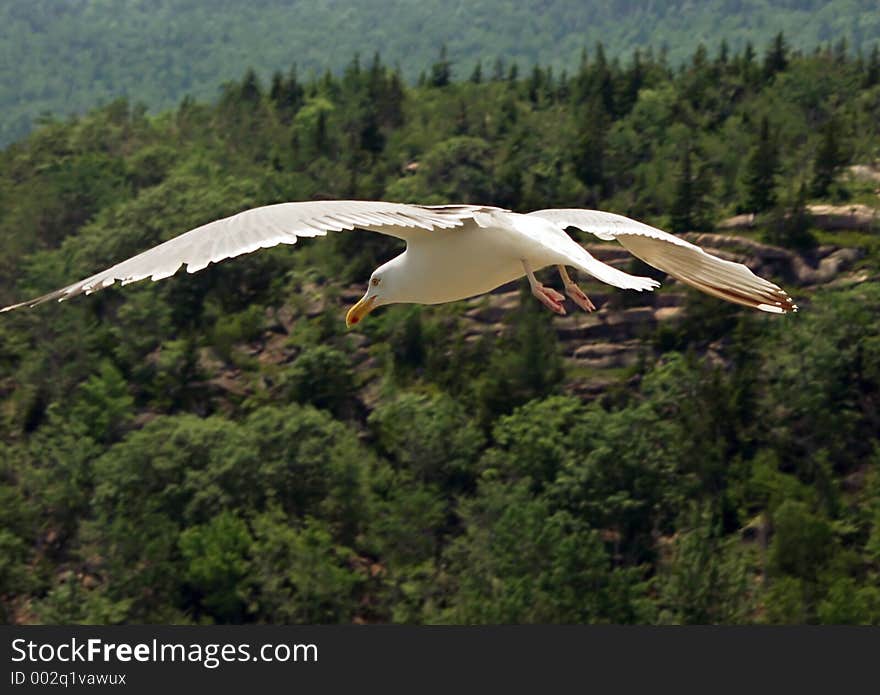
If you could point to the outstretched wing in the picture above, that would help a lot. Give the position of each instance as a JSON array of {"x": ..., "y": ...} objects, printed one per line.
[
  {"x": 261, "y": 228},
  {"x": 679, "y": 258}
]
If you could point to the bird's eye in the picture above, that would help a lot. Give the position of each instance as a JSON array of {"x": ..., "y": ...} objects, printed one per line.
[{"x": 375, "y": 281}]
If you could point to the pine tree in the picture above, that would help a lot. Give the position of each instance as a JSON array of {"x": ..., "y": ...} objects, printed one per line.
[
  {"x": 872, "y": 73},
  {"x": 536, "y": 85},
  {"x": 589, "y": 156},
  {"x": 829, "y": 159},
  {"x": 372, "y": 139},
  {"x": 392, "y": 102},
  {"x": 441, "y": 71},
  {"x": 549, "y": 84},
  {"x": 633, "y": 82},
  {"x": 321, "y": 133},
  {"x": 477, "y": 74},
  {"x": 563, "y": 91},
  {"x": 790, "y": 225},
  {"x": 723, "y": 53},
  {"x": 287, "y": 94},
  {"x": 462, "y": 124},
  {"x": 498, "y": 70},
  {"x": 604, "y": 80},
  {"x": 748, "y": 71},
  {"x": 761, "y": 169},
  {"x": 376, "y": 78},
  {"x": 776, "y": 59},
  {"x": 841, "y": 49},
  {"x": 684, "y": 204},
  {"x": 690, "y": 209},
  {"x": 250, "y": 91},
  {"x": 277, "y": 87},
  {"x": 352, "y": 75},
  {"x": 701, "y": 57}
]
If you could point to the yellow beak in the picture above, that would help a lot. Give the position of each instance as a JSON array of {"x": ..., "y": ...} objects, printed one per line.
[{"x": 359, "y": 310}]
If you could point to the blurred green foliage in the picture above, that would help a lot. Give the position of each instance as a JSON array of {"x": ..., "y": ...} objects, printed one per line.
[{"x": 71, "y": 55}]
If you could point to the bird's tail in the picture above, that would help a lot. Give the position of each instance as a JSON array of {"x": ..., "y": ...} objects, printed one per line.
[{"x": 609, "y": 274}]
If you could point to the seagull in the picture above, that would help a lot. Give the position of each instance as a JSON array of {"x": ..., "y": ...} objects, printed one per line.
[{"x": 452, "y": 252}]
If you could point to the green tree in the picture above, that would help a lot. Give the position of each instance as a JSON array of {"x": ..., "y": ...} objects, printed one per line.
[
  {"x": 520, "y": 562},
  {"x": 790, "y": 224},
  {"x": 477, "y": 74},
  {"x": 685, "y": 203},
  {"x": 776, "y": 59},
  {"x": 441, "y": 71},
  {"x": 802, "y": 542},
  {"x": 829, "y": 160},
  {"x": 536, "y": 442},
  {"x": 298, "y": 573},
  {"x": 104, "y": 405},
  {"x": 526, "y": 364},
  {"x": 433, "y": 438},
  {"x": 705, "y": 581},
  {"x": 761, "y": 168},
  {"x": 216, "y": 564},
  {"x": 590, "y": 146},
  {"x": 847, "y": 603},
  {"x": 872, "y": 70},
  {"x": 321, "y": 376}
]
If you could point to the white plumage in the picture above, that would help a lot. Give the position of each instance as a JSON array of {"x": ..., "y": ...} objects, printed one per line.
[{"x": 453, "y": 252}]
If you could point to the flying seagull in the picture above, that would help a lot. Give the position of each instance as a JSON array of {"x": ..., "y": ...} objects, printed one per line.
[{"x": 452, "y": 252}]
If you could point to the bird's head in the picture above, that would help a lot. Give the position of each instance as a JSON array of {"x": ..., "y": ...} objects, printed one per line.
[{"x": 382, "y": 289}]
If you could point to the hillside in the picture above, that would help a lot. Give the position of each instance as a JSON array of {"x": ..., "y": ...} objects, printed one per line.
[
  {"x": 217, "y": 447},
  {"x": 67, "y": 56}
]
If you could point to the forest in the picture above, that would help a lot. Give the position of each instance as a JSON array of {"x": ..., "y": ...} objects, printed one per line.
[
  {"x": 218, "y": 448},
  {"x": 68, "y": 56}
]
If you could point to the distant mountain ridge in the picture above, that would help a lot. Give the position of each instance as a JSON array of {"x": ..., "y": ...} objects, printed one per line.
[{"x": 66, "y": 56}]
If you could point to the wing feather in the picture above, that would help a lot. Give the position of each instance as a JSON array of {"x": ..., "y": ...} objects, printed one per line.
[
  {"x": 263, "y": 227},
  {"x": 681, "y": 259}
]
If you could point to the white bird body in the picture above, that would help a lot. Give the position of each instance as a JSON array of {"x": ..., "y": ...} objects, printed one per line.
[
  {"x": 459, "y": 263},
  {"x": 453, "y": 252},
  {"x": 435, "y": 261}
]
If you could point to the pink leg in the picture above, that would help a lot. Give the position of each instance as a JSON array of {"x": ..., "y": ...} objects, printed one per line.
[
  {"x": 549, "y": 297},
  {"x": 576, "y": 293}
]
